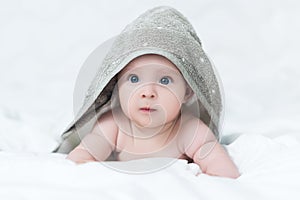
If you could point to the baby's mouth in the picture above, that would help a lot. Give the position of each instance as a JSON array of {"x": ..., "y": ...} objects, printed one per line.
[{"x": 147, "y": 109}]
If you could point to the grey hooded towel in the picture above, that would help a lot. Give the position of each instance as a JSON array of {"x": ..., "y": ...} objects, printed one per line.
[{"x": 163, "y": 31}]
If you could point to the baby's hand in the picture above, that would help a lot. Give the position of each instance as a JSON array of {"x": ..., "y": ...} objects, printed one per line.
[{"x": 80, "y": 155}]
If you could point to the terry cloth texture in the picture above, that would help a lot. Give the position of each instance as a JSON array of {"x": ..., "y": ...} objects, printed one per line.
[{"x": 163, "y": 31}]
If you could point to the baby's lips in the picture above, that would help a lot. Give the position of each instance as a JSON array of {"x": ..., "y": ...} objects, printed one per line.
[{"x": 147, "y": 109}]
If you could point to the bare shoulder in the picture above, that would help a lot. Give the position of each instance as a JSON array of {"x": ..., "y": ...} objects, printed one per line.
[
  {"x": 193, "y": 134},
  {"x": 191, "y": 125},
  {"x": 106, "y": 126},
  {"x": 107, "y": 119}
]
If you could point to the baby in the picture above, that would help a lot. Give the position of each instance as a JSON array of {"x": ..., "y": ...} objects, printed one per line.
[
  {"x": 155, "y": 94},
  {"x": 150, "y": 121}
]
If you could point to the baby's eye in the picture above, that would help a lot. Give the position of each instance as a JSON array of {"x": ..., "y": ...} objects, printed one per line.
[
  {"x": 133, "y": 78},
  {"x": 165, "y": 80}
]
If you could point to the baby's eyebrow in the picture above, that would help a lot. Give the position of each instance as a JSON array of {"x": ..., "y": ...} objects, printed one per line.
[
  {"x": 158, "y": 72},
  {"x": 169, "y": 71}
]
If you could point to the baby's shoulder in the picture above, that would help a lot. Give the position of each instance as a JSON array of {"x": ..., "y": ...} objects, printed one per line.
[
  {"x": 189, "y": 121},
  {"x": 106, "y": 125},
  {"x": 106, "y": 118},
  {"x": 193, "y": 131}
]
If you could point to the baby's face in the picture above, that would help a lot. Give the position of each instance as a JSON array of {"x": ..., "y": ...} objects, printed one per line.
[{"x": 151, "y": 90}]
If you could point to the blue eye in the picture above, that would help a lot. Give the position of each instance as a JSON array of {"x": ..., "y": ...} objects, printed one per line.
[
  {"x": 165, "y": 80},
  {"x": 134, "y": 78}
]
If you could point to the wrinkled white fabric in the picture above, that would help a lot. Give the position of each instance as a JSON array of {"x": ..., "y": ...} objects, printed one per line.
[{"x": 270, "y": 170}]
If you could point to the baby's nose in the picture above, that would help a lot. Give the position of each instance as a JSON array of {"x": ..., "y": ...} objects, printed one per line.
[{"x": 148, "y": 92}]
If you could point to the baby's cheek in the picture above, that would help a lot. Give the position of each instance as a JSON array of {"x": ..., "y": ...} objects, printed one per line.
[
  {"x": 123, "y": 102},
  {"x": 129, "y": 104},
  {"x": 172, "y": 103},
  {"x": 173, "y": 109}
]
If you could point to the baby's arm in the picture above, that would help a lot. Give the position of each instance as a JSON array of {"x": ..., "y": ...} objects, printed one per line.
[
  {"x": 207, "y": 152},
  {"x": 97, "y": 145}
]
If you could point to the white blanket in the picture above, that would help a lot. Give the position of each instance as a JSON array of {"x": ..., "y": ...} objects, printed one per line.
[{"x": 270, "y": 170}]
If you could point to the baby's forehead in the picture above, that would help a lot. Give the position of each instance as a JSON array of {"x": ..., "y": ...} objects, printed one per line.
[{"x": 158, "y": 62}]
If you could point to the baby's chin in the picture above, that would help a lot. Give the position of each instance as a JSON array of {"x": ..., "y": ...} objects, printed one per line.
[
  {"x": 146, "y": 124},
  {"x": 153, "y": 124}
]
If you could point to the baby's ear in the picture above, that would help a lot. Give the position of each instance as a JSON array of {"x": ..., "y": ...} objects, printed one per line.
[{"x": 188, "y": 94}]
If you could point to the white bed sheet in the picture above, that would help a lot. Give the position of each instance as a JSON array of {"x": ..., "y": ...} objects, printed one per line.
[{"x": 270, "y": 170}]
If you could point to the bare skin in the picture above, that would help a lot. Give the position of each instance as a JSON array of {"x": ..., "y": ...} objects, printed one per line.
[{"x": 149, "y": 122}]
